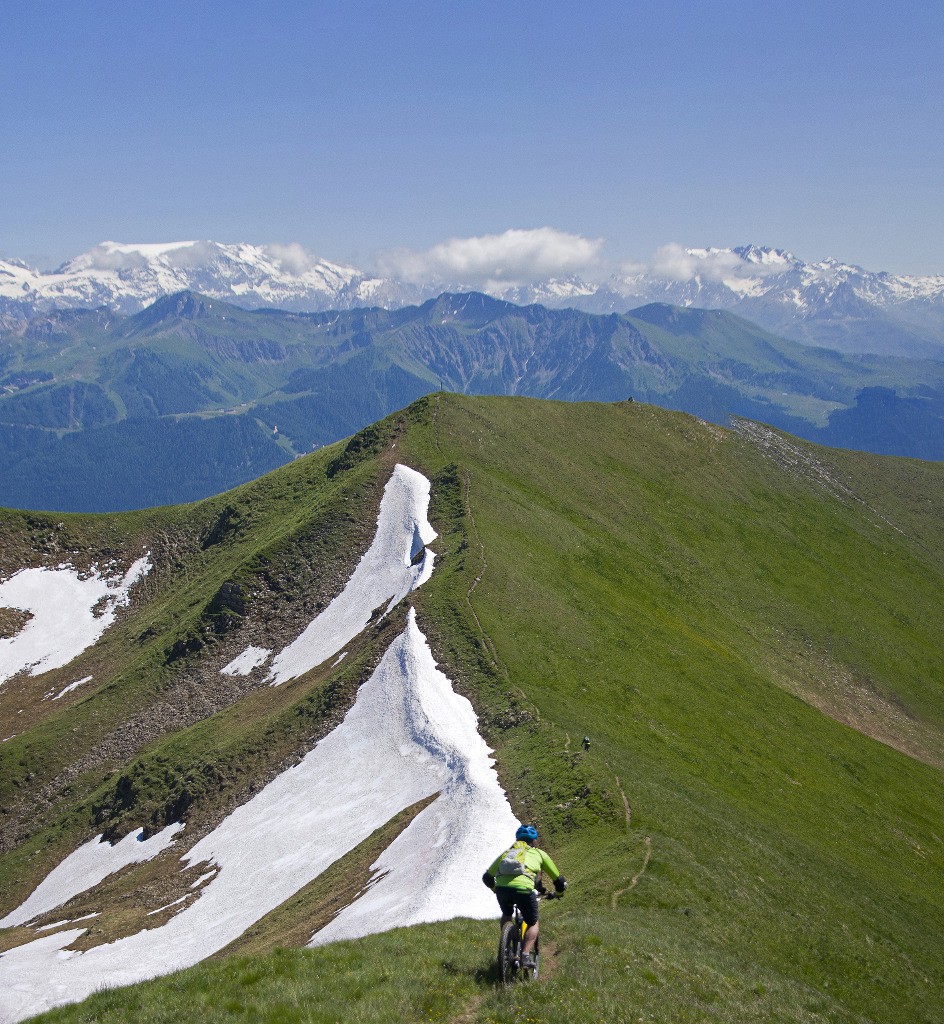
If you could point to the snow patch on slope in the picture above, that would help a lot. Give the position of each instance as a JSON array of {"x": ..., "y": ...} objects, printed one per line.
[
  {"x": 73, "y": 686},
  {"x": 69, "y": 613},
  {"x": 243, "y": 664},
  {"x": 86, "y": 867},
  {"x": 454, "y": 837},
  {"x": 62, "y": 924},
  {"x": 407, "y": 737},
  {"x": 396, "y": 563}
]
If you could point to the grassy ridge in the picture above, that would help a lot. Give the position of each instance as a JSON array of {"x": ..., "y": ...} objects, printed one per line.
[
  {"x": 673, "y": 591},
  {"x": 650, "y": 581}
]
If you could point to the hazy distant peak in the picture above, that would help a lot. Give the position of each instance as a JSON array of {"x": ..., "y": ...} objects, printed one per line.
[
  {"x": 827, "y": 302},
  {"x": 765, "y": 256}
]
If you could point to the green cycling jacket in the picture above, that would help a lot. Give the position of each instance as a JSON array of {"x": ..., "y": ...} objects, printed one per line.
[{"x": 534, "y": 861}]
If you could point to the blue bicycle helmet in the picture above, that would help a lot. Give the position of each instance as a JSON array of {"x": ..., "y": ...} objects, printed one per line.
[{"x": 527, "y": 832}]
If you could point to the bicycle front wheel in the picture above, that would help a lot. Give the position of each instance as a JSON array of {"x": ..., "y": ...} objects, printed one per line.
[
  {"x": 507, "y": 953},
  {"x": 537, "y": 961}
]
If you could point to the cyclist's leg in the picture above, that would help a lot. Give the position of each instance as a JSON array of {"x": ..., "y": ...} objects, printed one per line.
[
  {"x": 528, "y": 902},
  {"x": 506, "y": 902}
]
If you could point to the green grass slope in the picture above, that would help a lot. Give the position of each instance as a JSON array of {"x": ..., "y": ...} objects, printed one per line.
[
  {"x": 670, "y": 590},
  {"x": 748, "y": 628}
]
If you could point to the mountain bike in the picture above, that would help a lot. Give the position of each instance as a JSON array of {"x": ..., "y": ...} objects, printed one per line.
[{"x": 509, "y": 947}]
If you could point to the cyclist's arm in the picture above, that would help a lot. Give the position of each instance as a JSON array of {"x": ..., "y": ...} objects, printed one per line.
[
  {"x": 560, "y": 883},
  {"x": 549, "y": 866},
  {"x": 489, "y": 875}
]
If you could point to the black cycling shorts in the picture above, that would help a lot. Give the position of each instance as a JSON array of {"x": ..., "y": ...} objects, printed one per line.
[{"x": 527, "y": 901}]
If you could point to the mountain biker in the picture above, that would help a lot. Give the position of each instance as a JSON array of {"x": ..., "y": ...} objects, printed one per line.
[{"x": 514, "y": 878}]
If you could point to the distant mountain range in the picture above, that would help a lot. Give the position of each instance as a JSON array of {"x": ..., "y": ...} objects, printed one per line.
[
  {"x": 827, "y": 303},
  {"x": 100, "y": 411}
]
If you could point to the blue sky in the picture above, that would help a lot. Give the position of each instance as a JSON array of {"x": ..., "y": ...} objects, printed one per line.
[{"x": 355, "y": 128}]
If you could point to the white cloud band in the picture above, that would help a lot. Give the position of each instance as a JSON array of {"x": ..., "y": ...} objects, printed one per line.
[{"x": 517, "y": 256}]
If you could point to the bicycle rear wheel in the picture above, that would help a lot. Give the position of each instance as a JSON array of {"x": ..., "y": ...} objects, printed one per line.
[{"x": 507, "y": 953}]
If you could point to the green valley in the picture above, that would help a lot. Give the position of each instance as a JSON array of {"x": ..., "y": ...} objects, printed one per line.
[{"x": 100, "y": 412}]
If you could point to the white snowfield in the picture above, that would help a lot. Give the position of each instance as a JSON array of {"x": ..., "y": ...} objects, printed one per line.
[
  {"x": 408, "y": 737},
  {"x": 63, "y": 607},
  {"x": 384, "y": 576}
]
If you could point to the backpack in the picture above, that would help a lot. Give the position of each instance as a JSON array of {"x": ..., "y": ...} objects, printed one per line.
[{"x": 513, "y": 862}]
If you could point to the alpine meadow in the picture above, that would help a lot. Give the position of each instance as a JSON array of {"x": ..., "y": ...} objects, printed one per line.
[{"x": 747, "y": 627}]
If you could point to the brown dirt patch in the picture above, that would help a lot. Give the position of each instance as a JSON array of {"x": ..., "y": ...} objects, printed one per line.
[
  {"x": 12, "y": 620},
  {"x": 470, "y": 1012},
  {"x": 318, "y": 903},
  {"x": 847, "y": 697}
]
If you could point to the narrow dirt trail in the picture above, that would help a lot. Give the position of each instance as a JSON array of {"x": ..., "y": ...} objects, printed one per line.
[
  {"x": 469, "y": 1012},
  {"x": 627, "y": 808},
  {"x": 483, "y": 561},
  {"x": 635, "y": 879},
  {"x": 486, "y": 639}
]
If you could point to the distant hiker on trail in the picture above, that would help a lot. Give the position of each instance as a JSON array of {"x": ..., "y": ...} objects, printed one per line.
[
  {"x": 586, "y": 743},
  {"x": 514, "y": 878}
]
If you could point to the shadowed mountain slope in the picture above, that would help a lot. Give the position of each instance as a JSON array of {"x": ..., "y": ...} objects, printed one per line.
[{"x": 192, "y": 395}]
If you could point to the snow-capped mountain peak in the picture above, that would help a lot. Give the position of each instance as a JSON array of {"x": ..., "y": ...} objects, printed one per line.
[
  {"x": 765, "y": 256},
  {"x": 827, "y": 302},
  {"x": 129, "y": 276},
  {"x": 120, "y": 255}
]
